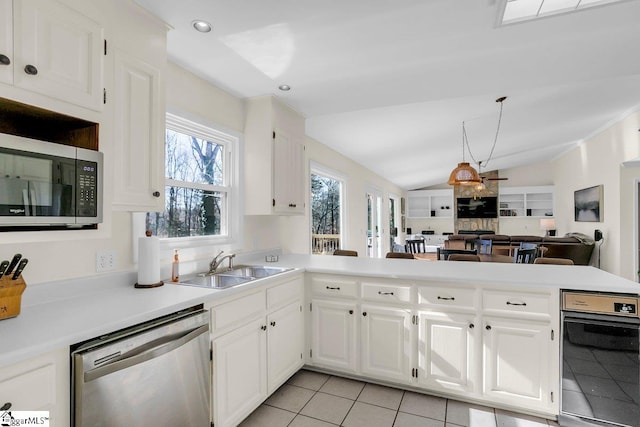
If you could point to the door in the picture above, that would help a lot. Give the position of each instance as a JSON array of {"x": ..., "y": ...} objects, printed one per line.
[
  {"x": 333, "y": 330},
  {"x": 386, "y": 342},
  {"x": 374, "y": 224},
  {"x": 6, "y": 41},
  {"x": 239, "y": 373},
  {"x": 64, "y": 47},
  {"x": 285, "y": 342},
  {"x": 516, "y": 362},
  {"x": 447, "y": 351},
  {"x": 288, "y": 175}
]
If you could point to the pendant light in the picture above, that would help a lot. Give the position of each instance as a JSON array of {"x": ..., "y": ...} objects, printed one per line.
[{"x": 464, "y": 173}]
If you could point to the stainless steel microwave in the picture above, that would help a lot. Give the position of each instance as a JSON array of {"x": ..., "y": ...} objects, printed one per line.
[{"x": 47, "y": 184}]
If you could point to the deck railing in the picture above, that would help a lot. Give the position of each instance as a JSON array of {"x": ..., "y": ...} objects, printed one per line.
[{"x": 324, "y": 243}]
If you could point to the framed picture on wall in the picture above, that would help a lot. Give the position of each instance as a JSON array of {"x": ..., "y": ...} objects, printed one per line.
[{"x": 589, "y": 204}]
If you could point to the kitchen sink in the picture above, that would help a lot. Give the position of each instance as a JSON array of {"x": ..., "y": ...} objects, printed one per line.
[
  {"x": 232, "y": 277},
  {"x": 217, "y": 281}
]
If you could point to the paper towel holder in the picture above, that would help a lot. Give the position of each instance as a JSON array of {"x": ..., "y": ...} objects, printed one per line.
[{"x": 150, "y": 285}]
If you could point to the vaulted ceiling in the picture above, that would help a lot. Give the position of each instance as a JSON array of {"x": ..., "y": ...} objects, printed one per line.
[{"x": 388, "y": 83}]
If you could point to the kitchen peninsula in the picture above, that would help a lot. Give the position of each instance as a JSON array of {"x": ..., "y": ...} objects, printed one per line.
[{"x": 395, "y": 313}]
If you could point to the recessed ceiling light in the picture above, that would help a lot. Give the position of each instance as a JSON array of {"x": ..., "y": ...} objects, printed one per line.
[
  {"x": 284, "y": 88},
  {"x": 202, "y": 26}
]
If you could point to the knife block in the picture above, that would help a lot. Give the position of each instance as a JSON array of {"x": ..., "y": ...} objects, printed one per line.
[{"x": 11, "y": 296}]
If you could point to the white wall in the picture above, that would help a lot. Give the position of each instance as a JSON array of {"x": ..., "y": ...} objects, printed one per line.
[{"x": 598, "y": 161}]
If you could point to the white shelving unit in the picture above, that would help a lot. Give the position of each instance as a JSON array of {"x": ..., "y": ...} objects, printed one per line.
[
  {"x": 430, "y": 204},
  {"x": 526, "y": 201}
]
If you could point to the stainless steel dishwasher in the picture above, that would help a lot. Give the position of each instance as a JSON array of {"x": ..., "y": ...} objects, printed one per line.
[{"x": 153, "y": 374}]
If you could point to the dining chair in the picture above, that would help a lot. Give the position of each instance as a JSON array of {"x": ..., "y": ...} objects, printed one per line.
[
  {"x": 443, "y": 254},
  {"x": 464, "y": 257},
  {"x": 403, "y": 255},
  {"x": 345, "y": 252},
  {"x": 558, "y": 261},
  {"x": 416, "y": 246},
  {"x": 525, "y": 256},
  {"x": 485, "y": 247}
]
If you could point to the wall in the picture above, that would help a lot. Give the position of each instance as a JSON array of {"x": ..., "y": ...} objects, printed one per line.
[
  {"x": 598, "y": 160},
  {"x": 295, "y": 231}
]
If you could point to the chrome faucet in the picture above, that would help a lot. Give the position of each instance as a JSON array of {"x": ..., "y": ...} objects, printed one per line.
[{"x": 217, "y": 260}]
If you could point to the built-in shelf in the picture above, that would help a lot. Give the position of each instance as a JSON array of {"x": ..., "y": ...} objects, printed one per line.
[
  {"x": 526, "y": 201},
  {"x": 430, "y": 204}
]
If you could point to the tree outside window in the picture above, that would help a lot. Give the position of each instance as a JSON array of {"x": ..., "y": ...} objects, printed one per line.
[{"x": 326, "y": 201}]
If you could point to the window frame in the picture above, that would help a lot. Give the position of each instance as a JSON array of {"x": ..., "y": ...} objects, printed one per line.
[
  {"x": 320, "y": 169},
  {"x": 232, "y": 223}
]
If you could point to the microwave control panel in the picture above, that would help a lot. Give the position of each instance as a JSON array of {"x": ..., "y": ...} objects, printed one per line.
[{"x": 87, "y": 188}]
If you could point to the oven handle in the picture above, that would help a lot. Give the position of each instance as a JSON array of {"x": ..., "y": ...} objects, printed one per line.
[
  {"x": 146, "y": 352},
  {"x": 619, "y": 322}
]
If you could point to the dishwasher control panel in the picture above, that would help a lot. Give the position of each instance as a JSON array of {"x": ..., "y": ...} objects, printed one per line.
[{"x": 618, "y": 305}]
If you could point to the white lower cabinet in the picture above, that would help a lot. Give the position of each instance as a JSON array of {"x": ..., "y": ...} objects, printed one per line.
[
  {"x": 333, "y": 334},
  {"x": 517, "y": 355},
  {"x": 448, "y": 351},
  {"x": 387, "y": 338},
  {"x": 240, "y": 372},
  {"x": 285, "y": 342},
  {"x": 39, "y": 384},
  {"x": 257, "y": 345}
]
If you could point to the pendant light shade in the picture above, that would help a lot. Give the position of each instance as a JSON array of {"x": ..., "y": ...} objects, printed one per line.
[{"x": 464, "y": 174}]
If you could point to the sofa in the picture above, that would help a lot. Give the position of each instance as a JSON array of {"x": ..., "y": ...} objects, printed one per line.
[{"x": 574, "y": 246}]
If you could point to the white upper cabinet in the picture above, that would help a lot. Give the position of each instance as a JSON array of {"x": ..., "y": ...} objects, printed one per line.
[
  {"x": 57, "y": 52},
  {"x": 6, "y": 41},
  {"x": 274, "y": 159}
]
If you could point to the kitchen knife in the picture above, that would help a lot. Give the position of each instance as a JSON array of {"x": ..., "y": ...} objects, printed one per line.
[
  {"x": 3, "y": 267},
  {"x": 13, "y": 264},
  {"x": 21, "y": 266}
]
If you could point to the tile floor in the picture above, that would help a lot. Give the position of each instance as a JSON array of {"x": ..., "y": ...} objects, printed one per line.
[{"x": 311, "y": 399}]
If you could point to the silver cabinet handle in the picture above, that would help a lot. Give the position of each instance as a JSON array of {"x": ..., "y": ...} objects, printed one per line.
[{"x": 385, "y": 293}]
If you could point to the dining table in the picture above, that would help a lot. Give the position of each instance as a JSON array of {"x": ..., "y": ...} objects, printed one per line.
[{"x": 483, "y": 257}]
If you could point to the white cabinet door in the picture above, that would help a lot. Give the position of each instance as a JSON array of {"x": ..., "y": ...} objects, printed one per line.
[
  {"x": 139, "y": 170},
  {"x": 333, "y": 330},
  {"x": 447, "y": 351},
  {"x": 239, "y": 373},
  {"x": 39, "y": 384},
  {"x": 288, "y": 158},
  {"x": 6, "y": 41},
  {"x": 386, "y": 342},
  {"x": 58, "y": 52},
  {"x": 517, "y": 356},
  {"x": 285, "y": 342}
]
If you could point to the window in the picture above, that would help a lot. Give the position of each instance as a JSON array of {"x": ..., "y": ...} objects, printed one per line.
[
  {"x": 326, "y": 211},
  {"x": 199, "y": 185}
]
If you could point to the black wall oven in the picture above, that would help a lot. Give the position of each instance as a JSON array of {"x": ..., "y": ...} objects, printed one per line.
[
  {"x": 600, "y": 355},
  {"x": 43, "y": 183}
]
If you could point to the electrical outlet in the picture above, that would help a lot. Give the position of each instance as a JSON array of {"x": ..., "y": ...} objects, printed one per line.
[{"x": 105, "y": 261}]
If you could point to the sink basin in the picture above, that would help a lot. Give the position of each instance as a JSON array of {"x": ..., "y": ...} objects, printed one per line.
[
  {"x": 255, "y": 271},
  {"x": 238, "y": 275},
  {"x": 217, "y": 281}
]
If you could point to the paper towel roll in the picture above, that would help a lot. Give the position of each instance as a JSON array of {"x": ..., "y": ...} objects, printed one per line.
[{"x": 148, "y": 260}]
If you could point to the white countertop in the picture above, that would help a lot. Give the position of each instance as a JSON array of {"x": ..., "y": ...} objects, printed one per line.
[{"x": 60, "y": 314}]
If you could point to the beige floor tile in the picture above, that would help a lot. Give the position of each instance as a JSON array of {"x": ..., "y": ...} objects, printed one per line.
[
  {"x": 386, "y": 397},
  {"x": 302, "y": 421},
  {"x": 328, "y": 408},
  {"x": 343, "y": 387},
  {"x": 268, "y": 416},
  {"x": 512, "y": 419},
  {"x": 290, "y": 398},
  {"x": 424, "y": 405},
  {"x": 469, "y": 415},
  {"x": 308, "y": 379},
  {"x": 364, "y": 415},
  {"x": 410, "y": 420}
]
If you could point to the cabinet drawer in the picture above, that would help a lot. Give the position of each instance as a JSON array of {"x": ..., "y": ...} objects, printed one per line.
[
  {"x": 334, "y": 286},
  {"x": 30, "y": 391},
  {"x": 383, "y": 292},
  {"x": 447, "y": 296},
  {"x": 237, "y": 311},
  {"x": 516, "y": 302},
  {"x": 282, "y": 294}
]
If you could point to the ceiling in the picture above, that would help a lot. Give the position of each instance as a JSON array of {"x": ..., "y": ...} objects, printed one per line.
[{"x": 388, "y": 83}]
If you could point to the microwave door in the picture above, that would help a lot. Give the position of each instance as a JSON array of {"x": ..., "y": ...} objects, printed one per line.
[{"x": 14, "y": 198}]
